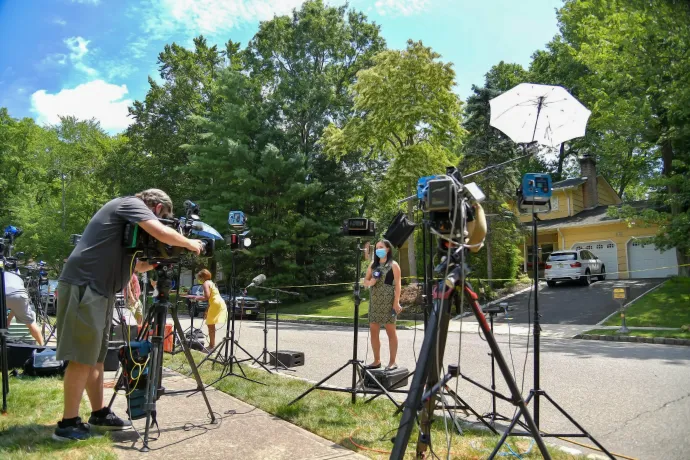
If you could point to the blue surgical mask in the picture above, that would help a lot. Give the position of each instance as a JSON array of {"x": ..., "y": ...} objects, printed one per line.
[{"x": 381, "y": 253}]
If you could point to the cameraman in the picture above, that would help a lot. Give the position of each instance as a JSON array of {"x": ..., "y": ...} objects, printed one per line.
[
  {"x": 19, "y": 305},
  {"x": 97, "y": 269}
]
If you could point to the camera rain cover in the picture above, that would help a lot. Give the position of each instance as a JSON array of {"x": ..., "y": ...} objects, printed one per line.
[{"x": 399, "y": 230}]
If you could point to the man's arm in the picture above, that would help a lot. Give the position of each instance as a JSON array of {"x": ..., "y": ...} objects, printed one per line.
[{"x": 169, "y": 236}]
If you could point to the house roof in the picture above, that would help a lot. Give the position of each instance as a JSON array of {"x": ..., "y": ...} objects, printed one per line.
[
  {"x": 594, "y": 216},
  {"x": 569, "y": 182}
]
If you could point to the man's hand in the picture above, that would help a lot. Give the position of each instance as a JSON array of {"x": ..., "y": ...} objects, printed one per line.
[{"x": 195, "y": 246}]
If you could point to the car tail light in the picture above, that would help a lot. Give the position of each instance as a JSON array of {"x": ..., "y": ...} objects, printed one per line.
[
  {"x": 576, "y": 265},
  {"x": 548, "y": 266}
]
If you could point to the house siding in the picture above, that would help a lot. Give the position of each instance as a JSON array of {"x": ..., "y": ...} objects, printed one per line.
[
  {"x": 618, "y": 232},
  {"x": 606, "y": 195},
  {"x": 577, "y": 200}
]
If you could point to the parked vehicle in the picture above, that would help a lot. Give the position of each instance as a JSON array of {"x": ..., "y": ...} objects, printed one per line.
[
  {"x": 579, "y": 265},
  {"x": 247, "y": 307}
]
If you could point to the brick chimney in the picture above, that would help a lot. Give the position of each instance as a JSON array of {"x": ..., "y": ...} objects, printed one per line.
[{"x": 588, "y": 170}]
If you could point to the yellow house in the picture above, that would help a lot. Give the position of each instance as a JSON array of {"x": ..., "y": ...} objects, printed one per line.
[{"x": 579, "y": 220}]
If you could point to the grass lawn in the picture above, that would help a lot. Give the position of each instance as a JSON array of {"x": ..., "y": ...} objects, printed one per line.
[
  {"x": 330, "y": 415},
  {"x": 633, "y": 333},
  {"x": 667, "y": 306},
  {"x": 34, "y": 406},
  {"x": 335, "y": 305}
]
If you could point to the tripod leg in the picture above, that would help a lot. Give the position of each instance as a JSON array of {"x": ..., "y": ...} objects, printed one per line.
[
  {"x": 467, "y": 407},
  {"x": 378, "y": 384},
  {"x": 192, "y": 365},
  {"x": 317, "y": 385},
  {"x": 237, "y": 344},
  {"x": 579, "y": 427}
]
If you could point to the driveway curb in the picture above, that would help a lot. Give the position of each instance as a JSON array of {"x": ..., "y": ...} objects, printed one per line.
[{"x": 625, "y": 338}]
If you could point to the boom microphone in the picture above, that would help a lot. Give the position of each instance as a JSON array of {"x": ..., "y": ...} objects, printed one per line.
[{"x": 258, "y": 280}]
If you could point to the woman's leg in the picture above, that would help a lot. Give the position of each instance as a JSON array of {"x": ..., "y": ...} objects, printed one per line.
[
  {"x": 392, "y": 342},
  {"x": 375, "y": 329},
  {"x": 211, "y": 335}
]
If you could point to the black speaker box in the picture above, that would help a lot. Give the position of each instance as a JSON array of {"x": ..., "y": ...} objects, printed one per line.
[
  {"x": 18, "y": 353},
  {"x": 389, "y": 379},
  {"x": 288, "y": 358}
]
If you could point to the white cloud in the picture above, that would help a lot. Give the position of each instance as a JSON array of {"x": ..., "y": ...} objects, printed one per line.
[
  {"x": 53, "y": 60},
  {"x": 87, "y": 2},
  {"x": 211, "y": 16},
  {"x": 79, "y": 47},
  {"x": 96, "y": 99},
  {"x": 60, "y": 22},
  {"x": 401, "y": 7}
]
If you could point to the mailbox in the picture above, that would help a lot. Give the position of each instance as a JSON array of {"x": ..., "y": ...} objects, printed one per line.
[{"x": 621, "y": 294}]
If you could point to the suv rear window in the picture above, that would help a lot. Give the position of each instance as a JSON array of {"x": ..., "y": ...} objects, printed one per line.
[{"x": 559, "y": 257}]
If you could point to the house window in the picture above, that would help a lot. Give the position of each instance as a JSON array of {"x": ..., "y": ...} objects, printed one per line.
[
  {"x": 600, "y": 246},
  {"x": 589, "y": 246},
  {"x": 610, "y": 245},
  {"x": 554, "y": 203}
]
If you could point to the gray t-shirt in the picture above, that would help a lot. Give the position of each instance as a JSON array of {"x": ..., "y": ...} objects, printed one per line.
[
  {"x": 14, "y": 285},
  {"x": 100, "y": 259}
]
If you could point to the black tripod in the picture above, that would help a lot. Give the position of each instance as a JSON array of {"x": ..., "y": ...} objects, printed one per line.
[
  {"x": 3, "y": 337},
  {"x": 155, "y": 323},
  {"x": 265, "y": 353},
  {"x": 224, "y": 352},
  {"x": 357, "y": 367},
  {"x": 536, "y": 392}
]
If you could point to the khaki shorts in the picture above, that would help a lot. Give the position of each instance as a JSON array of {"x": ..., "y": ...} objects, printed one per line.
[
  {"x": 20, "y": 305},
  {"x": 83, "y": 324}
]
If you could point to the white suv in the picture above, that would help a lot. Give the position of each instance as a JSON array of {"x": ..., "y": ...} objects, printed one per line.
[{"x": 573, "y": 265}]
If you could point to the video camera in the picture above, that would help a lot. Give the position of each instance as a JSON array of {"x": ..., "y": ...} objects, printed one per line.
[
  {"x": 440, "y": 197},
  {"x": 9, "y": 234},
  {"x": 137, "y": 240}
]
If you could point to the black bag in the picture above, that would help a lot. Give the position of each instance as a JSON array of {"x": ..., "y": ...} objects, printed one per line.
[
  {"x": 399, "y": 230},
  {"x": 44, "y": 364}
]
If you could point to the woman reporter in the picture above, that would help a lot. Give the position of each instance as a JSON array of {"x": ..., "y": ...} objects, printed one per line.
[
  {"x": 384, "y": 279},
  {"x": 217, "y": 311}
]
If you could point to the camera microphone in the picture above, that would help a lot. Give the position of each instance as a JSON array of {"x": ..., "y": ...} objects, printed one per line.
[{"x": 257, "y": 281}]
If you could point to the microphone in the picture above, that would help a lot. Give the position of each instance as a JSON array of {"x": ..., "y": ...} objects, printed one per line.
[{"x": 258, "y": 280}]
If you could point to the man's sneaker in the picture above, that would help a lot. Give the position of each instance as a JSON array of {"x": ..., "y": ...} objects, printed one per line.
[
  {"x": 108, "y": 422},
  {"x": 78, "y": 432}
]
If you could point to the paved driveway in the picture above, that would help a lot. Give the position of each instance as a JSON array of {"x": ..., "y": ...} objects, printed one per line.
[{"x": 571, "y": 303}]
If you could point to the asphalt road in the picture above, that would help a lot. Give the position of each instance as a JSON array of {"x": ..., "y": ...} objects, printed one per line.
[
  {"x": 634, "y": 398},
  {"x": 571, "y": 303}
]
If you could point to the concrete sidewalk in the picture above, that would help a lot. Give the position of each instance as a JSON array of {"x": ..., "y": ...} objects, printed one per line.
[{"x": 243, "y": 431}]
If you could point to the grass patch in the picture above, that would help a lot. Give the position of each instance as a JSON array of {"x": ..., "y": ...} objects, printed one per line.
[
  {"x": 331, "y": 415},
  {"x": 335, "y": 305},
  {"x": 633, "y": 333},
  {"x": 34, "y": 406},
  {"x": 667, "y": 306}
]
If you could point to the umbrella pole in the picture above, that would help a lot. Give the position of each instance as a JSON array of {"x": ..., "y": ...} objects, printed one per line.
[{"x": 539, "y": 106}]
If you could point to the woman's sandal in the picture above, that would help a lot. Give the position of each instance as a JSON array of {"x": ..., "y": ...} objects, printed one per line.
[
  {"x": 373, "y": 366},
  {"x": 391, "y": 368}
]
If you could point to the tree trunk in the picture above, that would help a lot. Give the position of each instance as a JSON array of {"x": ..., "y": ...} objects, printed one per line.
[
  {"x": 561, "y": 159},
  {"x": 64, "y": 207},
  {"x": 683, "y": 260},
  {"x": 411, "y": 258}
]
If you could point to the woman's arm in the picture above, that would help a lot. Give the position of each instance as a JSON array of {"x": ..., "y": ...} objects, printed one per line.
[
  {"x": 207, "y": 291},
  {"x": 368, "y": 281},
  {"x": 398, "y": 287}
]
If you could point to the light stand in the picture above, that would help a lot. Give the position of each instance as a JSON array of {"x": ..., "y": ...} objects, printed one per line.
[
  {"x": 228, "y": 343},
  {"x": 494, "y": 414},
  {"x": 265, "y": 351},
  {"x": 357, "y": 366},
  {"x": 536, "y": 392},
  {"x": 3, "y": 337}
]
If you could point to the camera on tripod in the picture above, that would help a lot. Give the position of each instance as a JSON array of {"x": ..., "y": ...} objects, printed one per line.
[
  {"x": 151, "y": 249},
  {"x": 359, "y": 227},
  {"x": 440, "y": 197}
]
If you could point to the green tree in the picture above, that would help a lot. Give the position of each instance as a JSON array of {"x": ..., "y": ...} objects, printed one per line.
[
  {"x": 639, "y": 52},
  {"x": 406, "y": 115}
]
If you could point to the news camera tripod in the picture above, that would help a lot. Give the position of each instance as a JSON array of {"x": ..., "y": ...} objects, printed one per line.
[
  {"x": 154, "y": 326},
  {"x": 358, "y": 367},
  {"x": 224, "y": 352},
  {"x": 3, "y": 336}
]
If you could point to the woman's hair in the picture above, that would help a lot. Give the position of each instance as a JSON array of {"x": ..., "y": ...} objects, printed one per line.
[
  {"x": 389, "y": 258},
  {"x": 204, "y": 274}
]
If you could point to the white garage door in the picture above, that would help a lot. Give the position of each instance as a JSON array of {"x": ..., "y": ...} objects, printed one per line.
[
  {"x": 606, "y": 251},
  {"x": 646, "y": 257}
]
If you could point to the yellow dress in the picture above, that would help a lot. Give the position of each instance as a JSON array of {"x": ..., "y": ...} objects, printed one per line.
[{"x": 217, "y": 310}]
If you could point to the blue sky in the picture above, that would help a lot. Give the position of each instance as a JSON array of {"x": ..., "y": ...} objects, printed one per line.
[{"x": 91, "y": 58}]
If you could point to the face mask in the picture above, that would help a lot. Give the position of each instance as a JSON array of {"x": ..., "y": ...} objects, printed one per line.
[{"x": 381, "y": 253}]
